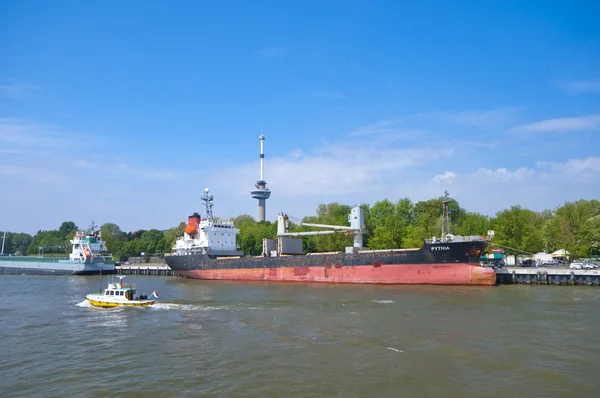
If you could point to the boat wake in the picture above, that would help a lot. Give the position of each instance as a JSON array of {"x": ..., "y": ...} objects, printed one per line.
[
  {"x": 177, "y": 307},
  {"x": 383, "y": 301},
  {"x": 394, "y": 349},
  {"x": 84, "y": 304}
]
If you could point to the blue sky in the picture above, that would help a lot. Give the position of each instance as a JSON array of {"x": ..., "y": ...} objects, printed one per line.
[{"x": 125, "y": 111}]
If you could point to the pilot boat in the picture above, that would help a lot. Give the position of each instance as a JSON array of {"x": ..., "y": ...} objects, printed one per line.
[{"x": 120, "y": 294}]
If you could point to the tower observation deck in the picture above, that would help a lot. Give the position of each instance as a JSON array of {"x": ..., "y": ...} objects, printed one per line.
[{"x": 262, "y": 193}]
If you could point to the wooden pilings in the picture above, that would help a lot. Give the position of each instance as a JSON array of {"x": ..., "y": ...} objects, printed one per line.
[
  {"x": 547, "y": 276},
  {"x": 146, "y": 269}
]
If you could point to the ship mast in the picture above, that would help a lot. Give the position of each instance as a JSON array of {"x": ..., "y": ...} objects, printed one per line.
[
  {"x": 208, "y": 203},
  {"x": 445, "y": 218}
]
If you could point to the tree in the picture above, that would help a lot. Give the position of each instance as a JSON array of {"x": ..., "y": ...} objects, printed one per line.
[
  {"x": 16, "y": 243},
  {"x": 330, "y": 214},
  {"x": 66, "y": 229},
  {"x": 252, "y": 234},
  {"x": 50, "y": 242},
  {"x": 387, "y": 226},
  {"x": 171, "y": 236},
  {"x": 518, "y": 228},
  {"x": 571, "y": 227},
  {"x": 473, "y": 224},
  {"x": 152, "y": 242},
  {"x": 415, "y": 236},
  {"x": 428, "y": 216},
  {"x": 239, "y": 220},
  {"x": 113, "y": 237},
  {"x": 591, "y": 233}
]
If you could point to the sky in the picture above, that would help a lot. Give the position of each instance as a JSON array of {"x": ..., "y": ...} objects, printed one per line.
[{"x": 125, "y": 111}]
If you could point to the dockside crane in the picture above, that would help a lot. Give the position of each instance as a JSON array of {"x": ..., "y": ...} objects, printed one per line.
[{"x": 355, "y": 218}]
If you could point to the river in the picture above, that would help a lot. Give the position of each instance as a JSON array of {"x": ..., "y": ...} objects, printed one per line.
[{"x": 211, "y": 338}]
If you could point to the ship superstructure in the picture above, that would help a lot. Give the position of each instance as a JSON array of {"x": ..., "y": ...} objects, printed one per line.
[{"x": 210, "y": 236}]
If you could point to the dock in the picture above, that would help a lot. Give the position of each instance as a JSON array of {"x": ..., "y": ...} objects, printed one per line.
[
  {"x": 547, "y": 276},
  {"x": 146, "y": 269}
]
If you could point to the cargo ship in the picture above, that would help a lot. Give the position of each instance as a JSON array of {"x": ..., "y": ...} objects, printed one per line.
[
  {"x": 208, "y": 250},
  {"x": 88, "y": 256}
]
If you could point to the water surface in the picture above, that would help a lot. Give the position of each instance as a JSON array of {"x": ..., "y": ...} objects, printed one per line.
[{"x": 208, "y": 338}]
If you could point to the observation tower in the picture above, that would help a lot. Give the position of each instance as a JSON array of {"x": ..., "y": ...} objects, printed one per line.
[{"x": 261, "y": 192}]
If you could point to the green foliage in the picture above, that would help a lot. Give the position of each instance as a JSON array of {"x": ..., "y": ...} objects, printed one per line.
[
  {"x": 67, "y": 230},
  {"x": 415, "y": 234},
  {"x": 574, "y": 226},
  {"x": 152, "y": 242},
  {"x": 331, "y": 214},
  {"x": 16, "y": 243},
  {"x": 252, "y": 234},
  {"x": 171, "y": 236},
  {"x": 473, "y": 224},
  {"x": 519, "y": 229},
  {"x": 48, "y": 242},
  {"x": 114, "y": 238},
  {"x": 239, "y": 220},
  {"x": 387, "y": 223}
]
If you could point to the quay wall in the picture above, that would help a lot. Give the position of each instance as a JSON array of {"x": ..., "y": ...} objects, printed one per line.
[{"x": 547, "y": 276}]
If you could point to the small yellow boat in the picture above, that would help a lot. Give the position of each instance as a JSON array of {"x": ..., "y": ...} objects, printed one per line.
[{"x": 121, "y": 294}]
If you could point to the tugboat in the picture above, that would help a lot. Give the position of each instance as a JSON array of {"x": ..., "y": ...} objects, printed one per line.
[{"x": 121, "y": 294}]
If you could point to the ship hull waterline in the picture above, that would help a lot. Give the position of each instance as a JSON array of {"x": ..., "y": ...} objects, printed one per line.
[
  {"x": 392, "y": 274},
  {"x": 105, "y": 304},
  {"x": 48, "y": 271}
]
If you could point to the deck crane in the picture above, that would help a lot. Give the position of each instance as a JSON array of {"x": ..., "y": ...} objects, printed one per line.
[{"x": 355, "y": 218}]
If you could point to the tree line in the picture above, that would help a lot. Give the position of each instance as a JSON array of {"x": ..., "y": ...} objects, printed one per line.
[{"x": 574, "y": 226}]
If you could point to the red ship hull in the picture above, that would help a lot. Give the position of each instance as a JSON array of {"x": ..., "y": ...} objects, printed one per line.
[{"x": 389, "y": 274}]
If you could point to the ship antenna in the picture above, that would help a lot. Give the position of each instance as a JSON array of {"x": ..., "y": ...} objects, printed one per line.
[
  {"x": 445, "y": 218},
  {"x": 208, "y": 203}
]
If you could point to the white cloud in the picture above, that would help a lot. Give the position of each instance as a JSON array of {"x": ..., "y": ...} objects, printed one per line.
[
  {"x": 545, "y": 186},
  {"x": 503, "y": 174},
  {"x": 565, "y": 124},
  {"x": 581, "y": 86},
  {"x": 483, "y": 119},
  {"x": 423, "y": 123},
  {"x": 70, "y": 183},
  {"x": 383, "y": 126},
  {"x": 585, "y": 170},
  {"x": 18, "y": 90},
  {"x": 447, "y": 176},
  {"x": 335, "y": 169},
  {"x": 31, "y": 174}
]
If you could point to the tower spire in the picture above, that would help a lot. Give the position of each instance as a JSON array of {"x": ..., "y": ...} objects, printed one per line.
[{"x": 262, "y": 193}]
